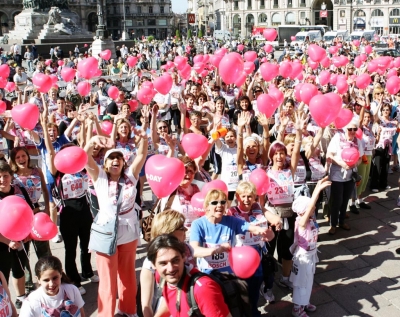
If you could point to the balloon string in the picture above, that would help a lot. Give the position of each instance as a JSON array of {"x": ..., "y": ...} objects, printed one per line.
[{"x": 19, "y": 260}]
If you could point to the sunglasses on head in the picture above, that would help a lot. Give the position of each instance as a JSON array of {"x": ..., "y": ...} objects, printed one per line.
[
  {"x": 352, "y": 129},
  {"x": 216, "y": 202}
]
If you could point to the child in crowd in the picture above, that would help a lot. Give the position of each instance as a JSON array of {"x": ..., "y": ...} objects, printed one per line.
[
  {"x": 55, "y": 296},
  {"x": 7, "y": 308},
  {"x": 304, "y": 250}
]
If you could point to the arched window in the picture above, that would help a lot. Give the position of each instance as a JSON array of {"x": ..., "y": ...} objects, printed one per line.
[
  {"x": 290, "y": 18},
  {"x": 262, "y": 18},
  {"x": 377, "y": 13},
  {"x": 276, "y": 19}
]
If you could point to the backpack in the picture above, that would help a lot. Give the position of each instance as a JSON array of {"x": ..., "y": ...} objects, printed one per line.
[{"x": 234, "y": 290}]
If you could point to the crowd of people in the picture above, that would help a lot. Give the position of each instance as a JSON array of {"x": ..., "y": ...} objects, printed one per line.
[{"x": 304, "y": 176}]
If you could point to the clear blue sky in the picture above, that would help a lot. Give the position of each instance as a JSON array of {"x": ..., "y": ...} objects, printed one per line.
[{"x": 179, "y": 6}]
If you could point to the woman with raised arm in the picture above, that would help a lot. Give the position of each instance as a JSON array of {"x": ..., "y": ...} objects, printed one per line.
[{"x": 117, "y": 271}]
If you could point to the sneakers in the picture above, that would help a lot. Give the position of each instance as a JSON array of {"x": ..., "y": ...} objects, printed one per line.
[
  {"x": 18, "y": 304},
  {"x": 299, "y": 312},
  {"x": 310, "y": 308},
  {"x": 354, "y": 209},
  {"x": 57, "y": 238},
  {"x": 94, "y": 279},
  {"x": 285, "y": 282},
  {"x": 82, "y": 290},
  {"x": 363, "y": 205},
  {"x": 269, "y": 296},
  {"x": 344, "y": 226}
]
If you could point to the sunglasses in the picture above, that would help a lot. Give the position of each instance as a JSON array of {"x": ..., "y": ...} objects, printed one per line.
[
  {"x": 216, "y": 202},
  {"x": 162, "y": 127},
  {"x": 258, "y": 91},
  {"x": 352, "y": 129}
]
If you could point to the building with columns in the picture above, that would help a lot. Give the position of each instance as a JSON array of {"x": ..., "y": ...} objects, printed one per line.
[{"x": 241, "y": 16}]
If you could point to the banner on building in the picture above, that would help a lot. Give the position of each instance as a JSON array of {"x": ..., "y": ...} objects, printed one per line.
[
  {"x": 191, "y": 18},
  {"x": 323, "y": 14}
]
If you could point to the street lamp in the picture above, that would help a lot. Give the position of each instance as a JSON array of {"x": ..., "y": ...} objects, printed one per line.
[{"x": 124, "y": 22}]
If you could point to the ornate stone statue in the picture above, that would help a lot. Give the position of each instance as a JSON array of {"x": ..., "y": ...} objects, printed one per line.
[{"x": 61, "y": 25}]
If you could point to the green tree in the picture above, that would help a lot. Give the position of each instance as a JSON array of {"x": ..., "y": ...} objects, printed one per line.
[
  {"x": 200, "y": 35},
  {"x": 189, "y": 34},
  {"x": 150, "y": 38},
  {"x": 178, "y": 35}
]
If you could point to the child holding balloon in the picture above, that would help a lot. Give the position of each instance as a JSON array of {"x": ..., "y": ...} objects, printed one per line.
[{"x": 304, "y": 250}]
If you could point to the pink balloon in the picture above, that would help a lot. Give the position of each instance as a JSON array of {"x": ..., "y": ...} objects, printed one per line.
[
  {"x": 163, "y": 84},
  {"x": 260, "y": 179},
  {"x": 297, "y": 91},
  {"x": 54, "y": 79},
  {"x": 10, "y": 86},
  {"x": 393, "y": 85},
  {"x": 363, "y": 81},
  {"x": 197, "y": 203},
  {"x": 343, "y": 60},
  {"x": 206, "y": 58},
  {"x": 368, "y": 49},
  {"x": 344, "y": 117},
  {"x": 363, "y": 57},
  {"x": 215, "y": 184},
  {"x": 396, "y": 62},
  {"x": 106, "y": 55},
  {"x": 17, "y": 218},
  {"x": 179, "y": 61},
  {"x": 60, "y": 63},
  {"x": 148, "y": 84},
  {"x": 198, "y": 67},
  {"x": 133, "y": 104},
  {"x": 308, "y": 91},
  {"x": 324, "y": 77},
  {"x": 250, "y": 56},
  {"x": 268, "y": 48},
  {"x": 270, "y": 34},
  {"x": 48, "y": 62},
  {"x": 342, "y": 86},
  {"x": 276, "y": 94},
  {"x": 323, "y": 110},
  {"x": 240, "y": 47},
  {"x": 42, "y": 82},
  {"x": 241, "y": 79},
  {"x": 106, "y": 127},
  {"x": 222, "y": 51},
  {"x": 350, "y": 155},
  {"x": 26, "y": 115},
  {"x": 113, "y": 92},
  {"x": 269, "y": 71},
  {"x": 285, "y": 69},
  {"x": 333, "y": 50},
  {"x": 83, "y": 88},
  {"x": 145, "y": 95},
  {"x": 88, "y": 67},
  {"x": 297, "y": 68},
  {"x": 339, "y": 45},
  {"x": 312, "y": 64},
  {"x": 248, "y": 67},
  {"x": 3, "y": 106},
  {"x": 198, "y": 59},
  {"x": 195, "y": 145},
  {"x": 170, "y": 64},
  {"x": 357, "y": 62},
  {"x": 391, "y": 72},
  {"x": 67, "y": 73},
  {"x": 164, "y": 174},
  {"x": 230, "y": 67},
  {"x": 293, "y": 38},
  {"x": 359, "y": 134},
  {"x": 4, "y": 70},
  {"x": 356, "y": 43},
  {"x": 3, "y": 82},
  {"x": 333, "y": 79},
  {"x": 316, "y": 53},
  {"x": 131, "y": 60},
  {"x": 383, "y": 62},
  {"x": 244, "y": 261},
  {"x": 267, "y": 104},
  {"x": 215, "y": 60},
  {"x": 336, "y": 61},
  {"x": 71, "y": 160},
  {"x": 372, "y": 66},
  {"x": 43, "y": 229}
]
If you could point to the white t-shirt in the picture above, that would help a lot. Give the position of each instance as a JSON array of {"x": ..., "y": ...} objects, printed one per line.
[
  {"x": 39, "y": 304},
  {"x": 229, "y": 173}
]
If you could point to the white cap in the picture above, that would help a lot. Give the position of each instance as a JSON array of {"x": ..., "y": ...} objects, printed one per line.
[
  {"x": 109, "y": 152},
  {"x": 300, "y": 204}
]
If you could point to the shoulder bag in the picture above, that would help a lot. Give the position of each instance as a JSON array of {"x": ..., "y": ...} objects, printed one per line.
[
  {"x": 103, "y": 238},
  {"x": 147, "y": 221}
]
